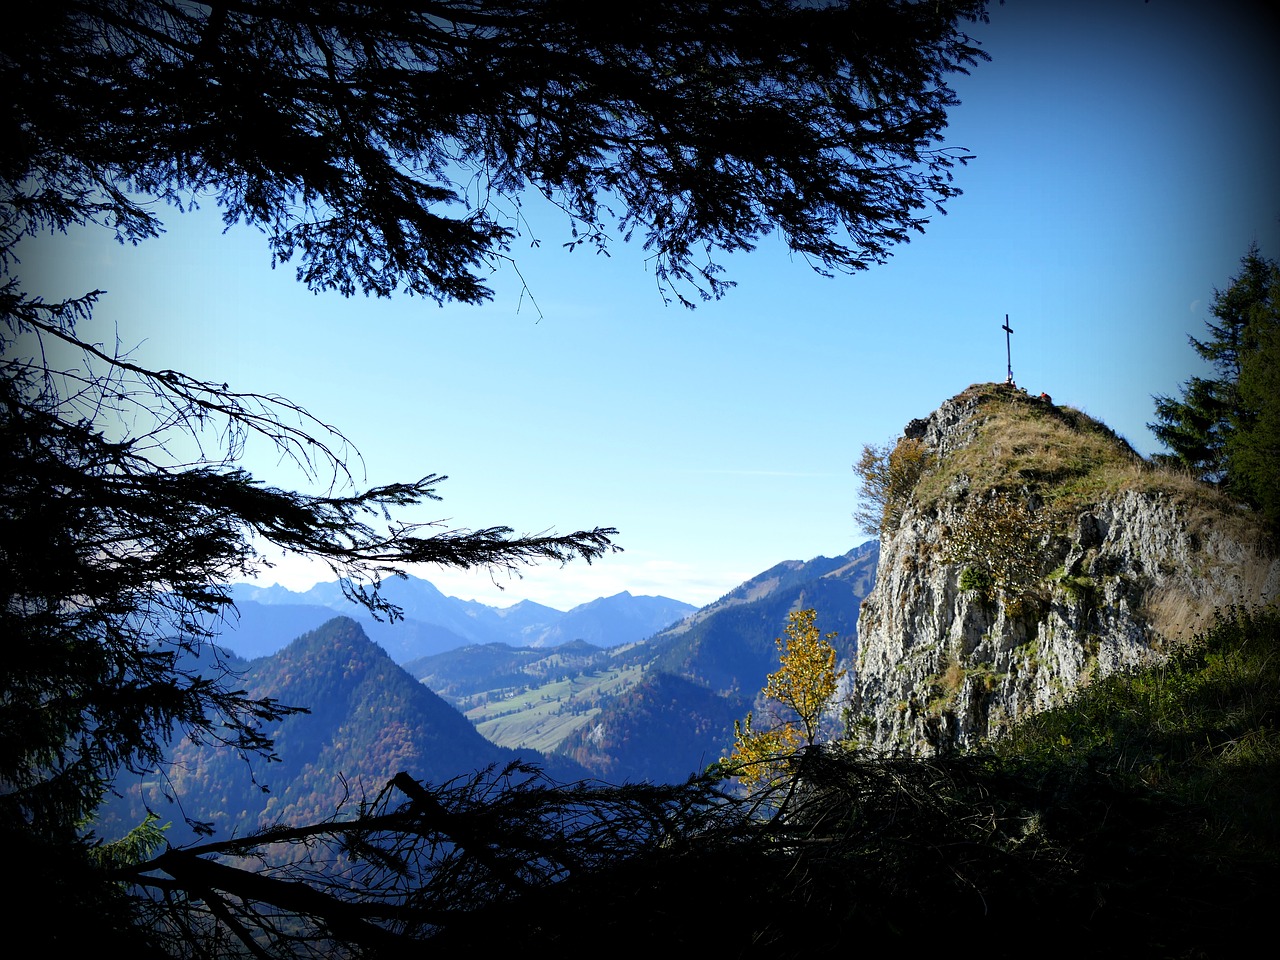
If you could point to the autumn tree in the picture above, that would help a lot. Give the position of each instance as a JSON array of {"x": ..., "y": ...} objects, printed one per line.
[
  {"x": 798, "y": 692},
  {"x": 999, "y": 544},
  {"x": 806, "y": 680},
  {"x": 888, "y": 473}
]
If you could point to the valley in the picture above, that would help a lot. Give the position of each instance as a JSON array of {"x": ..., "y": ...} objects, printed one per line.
[{"x": 543, "y": 717}]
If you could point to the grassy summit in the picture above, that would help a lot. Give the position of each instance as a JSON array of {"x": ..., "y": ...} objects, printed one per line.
[{"x": 1022, "y": 443}]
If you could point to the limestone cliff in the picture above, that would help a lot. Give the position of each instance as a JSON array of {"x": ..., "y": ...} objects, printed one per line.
[{"x": 1026, "y": 549}]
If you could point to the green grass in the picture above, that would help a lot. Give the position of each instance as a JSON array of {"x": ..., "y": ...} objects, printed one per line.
[
  {"x": 541, "y": 717},
  {"x": 1201, "y": 729},
  {"x": 1063, "y": 455}
]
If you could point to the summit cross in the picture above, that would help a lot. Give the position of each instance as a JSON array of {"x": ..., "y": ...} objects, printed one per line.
[{"x": 1008, "y": 350}]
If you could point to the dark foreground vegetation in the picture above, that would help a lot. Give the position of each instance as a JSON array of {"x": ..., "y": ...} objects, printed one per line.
[
  {"x": 1140, "y": 820},
  {"x": 351, "y": 134}
]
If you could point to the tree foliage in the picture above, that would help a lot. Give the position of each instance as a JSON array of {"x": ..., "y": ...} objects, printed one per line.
[
  {"x": 1253, "y": 444},
  {"x": 806, "y": 679},
  {"x": 384, "y": 145},
  {"x": 999, "y": 542},
  {"x": 761, "y": 758},
  {"x": 379, "y": 147},
  {"x": 115, "y": 572},
  {"x": 1223, "y": 427},
  {"x": 888, "y": 475},
  {"x": 453, "y": 865},
  {"x": 802, "y": 687}
]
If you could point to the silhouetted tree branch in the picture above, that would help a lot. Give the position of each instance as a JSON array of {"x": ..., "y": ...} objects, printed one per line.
[
  {"x": 385, "y": 144},
  {"x": 419, "y": 862},
  {"x": 380, "y": 147}
]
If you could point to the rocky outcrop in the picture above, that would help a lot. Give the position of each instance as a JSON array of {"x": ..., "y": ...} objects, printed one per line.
[{"x": 1035, "y": 552}]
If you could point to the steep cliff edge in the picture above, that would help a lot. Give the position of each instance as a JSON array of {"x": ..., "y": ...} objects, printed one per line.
[{"x": 1026, "y": 550}]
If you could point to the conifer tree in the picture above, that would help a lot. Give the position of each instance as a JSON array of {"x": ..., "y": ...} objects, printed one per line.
[
  {"x": 1197, "y": 427},
  {"x": 1253, "y": 445},
  {"x": 380, "y": 147}
]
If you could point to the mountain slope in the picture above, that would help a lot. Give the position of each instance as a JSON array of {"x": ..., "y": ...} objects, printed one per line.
[
  {"x": 706, "y": 671},
  {"x": 612, "y": 621},
  {"x": 661, "y": 730},
  {"x": 661, "y": 708},
  {"x": 262, "y": 629},
  {"x": 729, "y": 646},
  {"x": 369, "y": 720},
  {"x": 481, "y": 668}
]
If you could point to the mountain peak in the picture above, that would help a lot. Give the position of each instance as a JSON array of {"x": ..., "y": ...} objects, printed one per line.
[
  {"x": 995, "y": 436},
  {"x": 433, "y": 622},
  {"x": 1026, "y": 548}
]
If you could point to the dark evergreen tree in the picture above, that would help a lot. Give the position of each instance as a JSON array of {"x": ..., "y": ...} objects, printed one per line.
[
  {"x": 385, "y": 144},
  {"x": 114, "y": 574},
  {"x": 352, "y": 136},
  {"x": 1196, "y": 427},
  {"x": 1253, "y": 446}
]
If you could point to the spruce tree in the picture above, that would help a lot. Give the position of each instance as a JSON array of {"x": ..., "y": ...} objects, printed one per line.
[
  {"x": 1198, "y": 427},
  {"x": 1253, "y": 446},
  {"x": 380, "y": 147}
]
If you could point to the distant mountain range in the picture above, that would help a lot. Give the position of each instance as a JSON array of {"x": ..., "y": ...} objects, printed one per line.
[
  {"x": 661, "y": 708},
  {"x": 269, "y": 617},
  {"x": 657, "y": 708}
]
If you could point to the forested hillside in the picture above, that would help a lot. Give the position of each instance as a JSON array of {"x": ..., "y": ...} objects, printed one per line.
[
  {"x": 664, "y": 729},
  {"x": 729, "y": 646},
  {"x": 366, "y": 721},
  {"x": 649, "y": 710},
  {"x": 705, "y": 672},
  {"x": 576, "y": 709}
]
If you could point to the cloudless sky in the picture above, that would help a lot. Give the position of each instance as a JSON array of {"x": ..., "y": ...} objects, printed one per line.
[{"x": 1126, "y": 158}]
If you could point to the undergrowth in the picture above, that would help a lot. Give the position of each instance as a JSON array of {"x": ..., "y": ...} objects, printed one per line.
[
  {"x": 1137, "y": 821},
  {"x": 1201, "y": 729}
]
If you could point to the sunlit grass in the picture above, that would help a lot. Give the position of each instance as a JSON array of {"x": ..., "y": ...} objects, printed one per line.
[
  {"x": 542, "y": 717},
  {"x": 1068, "y": 460}
]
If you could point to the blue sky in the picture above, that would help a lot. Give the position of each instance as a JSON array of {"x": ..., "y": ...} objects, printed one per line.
[{"x": 1126, "y": 157}]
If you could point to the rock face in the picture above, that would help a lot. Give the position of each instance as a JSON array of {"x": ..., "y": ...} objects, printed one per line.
[{"x": 1032, "y": 551}]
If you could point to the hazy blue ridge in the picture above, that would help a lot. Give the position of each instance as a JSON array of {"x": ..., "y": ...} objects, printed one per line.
[{"x": 433, "y": 623}]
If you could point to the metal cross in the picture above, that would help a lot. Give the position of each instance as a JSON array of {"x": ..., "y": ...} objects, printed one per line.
[{"x": 1008, "y": 351}]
